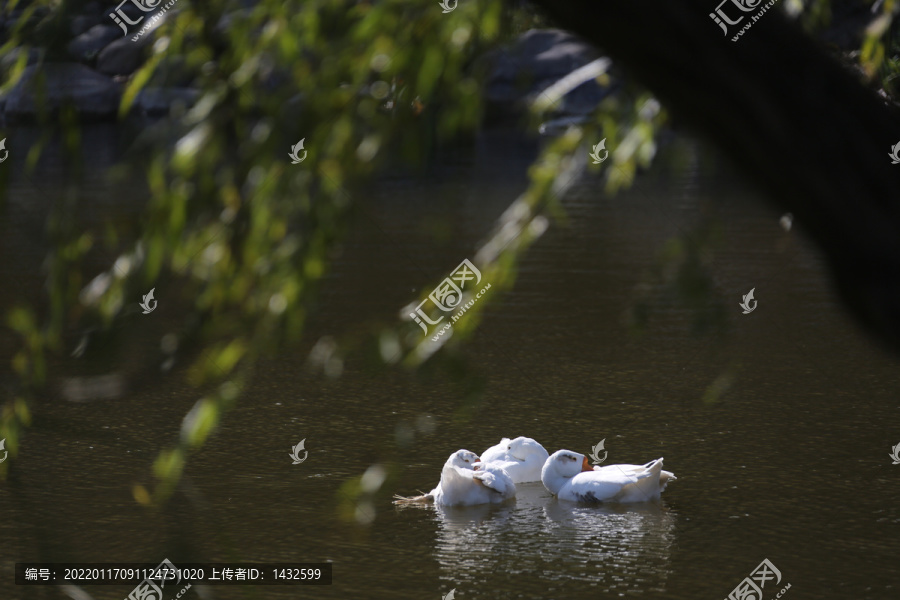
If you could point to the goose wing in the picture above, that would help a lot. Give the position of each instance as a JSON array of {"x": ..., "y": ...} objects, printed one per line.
[
  {"x": 495, "y": 479},
  {"x": 624, "y": 483},
  {"x": 497, "y": 452}
]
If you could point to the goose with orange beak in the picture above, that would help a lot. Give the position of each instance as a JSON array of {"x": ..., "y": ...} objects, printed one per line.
[{"x": 568, "y": 476}]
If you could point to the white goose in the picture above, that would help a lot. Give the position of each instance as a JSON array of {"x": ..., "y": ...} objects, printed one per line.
[
  {"x": 522, "y": 458},
  {"x": 568, "y": 476},
  {"x": 462, "y": 485}
]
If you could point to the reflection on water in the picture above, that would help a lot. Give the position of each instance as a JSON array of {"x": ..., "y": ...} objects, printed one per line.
[{"x": 608, "y": 546}]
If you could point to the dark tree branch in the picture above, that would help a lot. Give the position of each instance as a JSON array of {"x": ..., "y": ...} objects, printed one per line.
[{"x": 794, "y": 121}]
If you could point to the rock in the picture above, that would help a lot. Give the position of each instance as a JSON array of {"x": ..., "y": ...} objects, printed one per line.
[
  {"x": 544, "y": 54},
  {"x": 89, "y": 44},
  {"x": 93, "y": 95},
  {"x": 583, "y": 100},
  {"x": 94, "y": 7},
  {"x": 157, "y": 102},
  {"x": 82, "y": 23},
  {"x": 539, "y": 58},
  {"x": 8, "y": 60},
  {"x": 9, "y": 20},
  {"x": 7, "y": 24},
  {"x": 124, "y": 57}
]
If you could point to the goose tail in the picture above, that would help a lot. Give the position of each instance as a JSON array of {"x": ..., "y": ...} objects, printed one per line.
[
  {"x": 647, "y": 486},
  {"x": 421, "y": 499}
]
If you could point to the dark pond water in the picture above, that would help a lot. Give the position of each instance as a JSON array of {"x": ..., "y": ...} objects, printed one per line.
[{"x": 790, "y": 464}]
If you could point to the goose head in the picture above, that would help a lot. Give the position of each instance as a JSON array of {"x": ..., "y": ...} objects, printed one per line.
[
  {"x": 562, "y": 466},
  {"x": 523, "y": 448},
  {"x": 462, "y": 459}
]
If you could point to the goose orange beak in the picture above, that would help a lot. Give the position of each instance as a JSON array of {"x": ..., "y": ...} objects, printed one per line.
[{"x": 585, "y": 465}]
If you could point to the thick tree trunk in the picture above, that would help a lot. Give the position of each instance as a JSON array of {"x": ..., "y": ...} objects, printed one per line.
[{"x": 790, "y": 117}]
